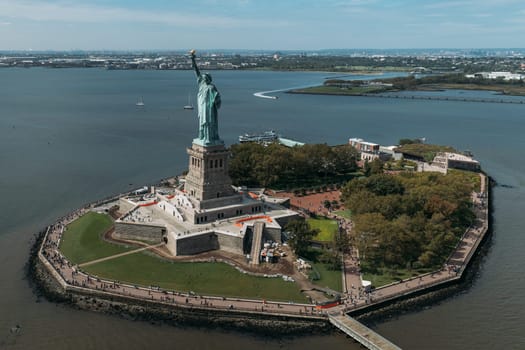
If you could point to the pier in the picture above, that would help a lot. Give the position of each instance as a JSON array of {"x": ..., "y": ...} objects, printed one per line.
[{"x": 362, "y": 334}]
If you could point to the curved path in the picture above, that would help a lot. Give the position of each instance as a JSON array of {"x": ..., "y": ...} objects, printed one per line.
[{"x": 121, "y": 254}]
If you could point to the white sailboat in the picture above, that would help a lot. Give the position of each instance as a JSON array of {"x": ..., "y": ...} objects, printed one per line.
[
  {"x": 189, "y": 106},
  {"x": 140, "y": 102}
]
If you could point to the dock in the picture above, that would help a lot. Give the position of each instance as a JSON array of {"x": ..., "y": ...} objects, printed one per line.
[{"x": 360, "y": 333}]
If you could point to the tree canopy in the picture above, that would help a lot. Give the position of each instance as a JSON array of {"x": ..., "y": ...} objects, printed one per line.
[
  {"x": 299, "y": 236},
  {"x": 278, "y": 166},
  {"x": 409, "y": 219}
]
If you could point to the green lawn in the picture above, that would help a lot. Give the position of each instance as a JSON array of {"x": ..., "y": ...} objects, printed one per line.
[
  {"x": 328, "y": 278},
  {"x": 328, "y": 228},
  {"x": 82, "y": 241},
  {"x": 201, "y": 278},
  {"x": 347, "y": 214}
]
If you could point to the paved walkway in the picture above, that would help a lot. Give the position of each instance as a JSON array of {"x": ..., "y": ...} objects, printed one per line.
[{"x": 121, "y": 254}]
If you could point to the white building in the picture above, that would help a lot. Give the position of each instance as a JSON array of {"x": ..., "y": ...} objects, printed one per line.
[
  {"x": 447, "y": 160},
  {"x": 507, "y": 76}
]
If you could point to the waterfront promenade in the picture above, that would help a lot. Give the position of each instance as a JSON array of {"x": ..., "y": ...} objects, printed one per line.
[{"x": 72, "y": 279}]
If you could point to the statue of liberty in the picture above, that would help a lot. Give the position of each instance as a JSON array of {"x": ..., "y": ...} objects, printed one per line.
[{"x": 208, "y": 104}]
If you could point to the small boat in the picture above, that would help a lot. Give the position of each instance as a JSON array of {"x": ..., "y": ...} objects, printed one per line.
[
  {"x": 140, "y": 103},
  {"x": 189, "y": 106}
]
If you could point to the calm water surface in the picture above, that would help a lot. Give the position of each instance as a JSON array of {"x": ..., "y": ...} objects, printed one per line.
[{"x": 68, "y": 137}]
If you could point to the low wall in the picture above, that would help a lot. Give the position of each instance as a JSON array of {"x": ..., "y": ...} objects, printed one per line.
[
  {"x": 284, "y": 220},
  {"x": 206, "y": 241},
  {"x": 229, "y": 243},
  {"x": 273, "y": 233},
  {"x": 134, "y": 231},
  {"x": 195, "y": 244}
]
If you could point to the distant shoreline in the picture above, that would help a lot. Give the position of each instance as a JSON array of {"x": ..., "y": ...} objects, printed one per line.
[{"x": 383, "y": 94}]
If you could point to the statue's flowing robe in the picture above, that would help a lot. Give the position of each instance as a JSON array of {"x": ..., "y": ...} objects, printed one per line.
[{"x": 209, "y": 101}]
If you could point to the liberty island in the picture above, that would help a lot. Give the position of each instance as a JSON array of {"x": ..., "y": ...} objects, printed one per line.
[{"x": 201, "y": 214}]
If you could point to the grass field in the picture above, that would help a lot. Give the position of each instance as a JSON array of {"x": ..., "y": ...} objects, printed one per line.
[
  {"x": 82, "y": 241},
  {"x": 328, "y": 228},
  {"x": 201, "y": 278},
  {"x": 347, "y": 214},
  {"x": 328, "y": 278}
]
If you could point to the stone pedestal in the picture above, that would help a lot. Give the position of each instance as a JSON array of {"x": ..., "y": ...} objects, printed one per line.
[{"x": 208, "y": 181}]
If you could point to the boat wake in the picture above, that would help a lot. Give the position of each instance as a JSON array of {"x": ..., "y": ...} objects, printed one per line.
[{"x": 263, "y": 94}]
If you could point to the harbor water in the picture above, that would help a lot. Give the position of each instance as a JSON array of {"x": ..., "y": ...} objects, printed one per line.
[{"x": 72, "y": 136}]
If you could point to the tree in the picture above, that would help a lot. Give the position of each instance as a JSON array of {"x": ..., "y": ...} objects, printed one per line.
[
  {"x": 409, "y": 219},
  {"x": 376, "y": 166},
  {"x": 300, "y": 235},
  {"x": 409, "y": 141},
  {"x": 342, "y": 241}
]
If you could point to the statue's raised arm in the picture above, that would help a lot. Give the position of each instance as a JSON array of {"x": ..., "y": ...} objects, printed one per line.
[{"x": 194, "y": 64}]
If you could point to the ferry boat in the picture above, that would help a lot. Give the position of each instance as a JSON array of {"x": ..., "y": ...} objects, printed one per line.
[{"x": 264, "y": 138}]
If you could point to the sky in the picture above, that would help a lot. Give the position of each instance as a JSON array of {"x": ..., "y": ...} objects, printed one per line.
[{"x": 260, "y": 24}]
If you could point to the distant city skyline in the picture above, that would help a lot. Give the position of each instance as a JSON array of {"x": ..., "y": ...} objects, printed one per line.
[{"x": 259, "y": 25}]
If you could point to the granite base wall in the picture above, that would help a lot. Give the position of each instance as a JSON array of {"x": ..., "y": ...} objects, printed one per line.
[
  {"x": 232, "y": 244},
  {"x": 152, "y": 233},
  {"x": 284, "y": 220},
  {"x": 207, "y": 241},
  {"x": 197, "y": 243},
  {"x": 272, "y": 233}
]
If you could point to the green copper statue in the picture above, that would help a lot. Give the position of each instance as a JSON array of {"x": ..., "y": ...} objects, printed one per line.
[{"x": 208, "y": 104}]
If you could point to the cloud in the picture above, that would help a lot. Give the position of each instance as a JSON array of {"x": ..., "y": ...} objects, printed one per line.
[
  {"x": 85, "y": 13},
  {"x": 448, "y": 4},
  {"x": 471, "y": 4},
  {"x": 354, "y": 6},
  {"x": 2, "y": 23}
]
